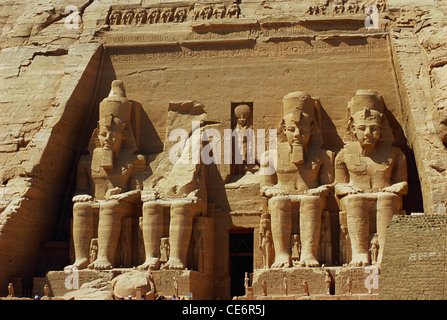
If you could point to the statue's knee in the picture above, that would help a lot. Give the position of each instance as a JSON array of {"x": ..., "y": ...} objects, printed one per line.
[
  {"x": 390, "y": 200},
  {"x": 115, "y": 208},
  {"x": 109, "y": 205},
  {"x": 280, "y": 203},
  {"x": 312, "y": 200},
  {"x": 355, "y": 200},
  {"x": 388, "y": 197},
  {"x": 182, "y": 208},
  {"x": 81, "y": 208},
  {"x": 152, "y": 208}
]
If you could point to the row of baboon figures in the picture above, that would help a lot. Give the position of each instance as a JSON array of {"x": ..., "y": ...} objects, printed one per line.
[
  {"x": 151, "y": 16},
  {"x": 368, "y": 177},
  {"x": 347, "y": 6}
]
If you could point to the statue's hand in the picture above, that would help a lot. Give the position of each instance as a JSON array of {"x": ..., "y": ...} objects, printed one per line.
[
  {"x": 124, "y": 196},
  {"x": 320, "y": 191},
  {"x": 273, "y": 191},
  {"x": 392, "y": 189},
  {"x": 114, "y": 191},
  {"x": 345, "y": 190},
  {"x": 82, "y": 198},
  {"x": 150, "y": 196}
]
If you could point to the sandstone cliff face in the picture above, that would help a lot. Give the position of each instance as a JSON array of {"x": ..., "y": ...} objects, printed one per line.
[
  {"x": 50, "y": 60},
  {"x": 47, "y": 82}
]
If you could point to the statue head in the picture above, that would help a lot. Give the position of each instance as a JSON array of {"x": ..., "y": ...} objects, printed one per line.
[
  {"x": 298, "y": 122},
  {"x": 366, "y": 120},
  {"x": 367, "y": 127},
  {"x": 113, "y": 125},
  {"x": 242, "y": 113}
]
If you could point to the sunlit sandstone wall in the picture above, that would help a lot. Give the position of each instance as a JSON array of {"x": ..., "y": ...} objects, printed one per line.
[
  {"x": 414, "y": 265},
  {"x": 48, "y": 85}
]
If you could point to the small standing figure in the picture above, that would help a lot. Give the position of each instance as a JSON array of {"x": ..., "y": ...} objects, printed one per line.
[
  {"x": 264, "y": 288},
  {"x": 296, "y": 248},
  {"x": 266, "y": 242},
  {"x": 175, "y": 280},
  {"x": 306, "y": 288},
  {"x": 349, "y": 285},
  {"x": 246, "y": 282},
  {"x": 244, "y": 157},
  {"x": 374, "y": 249},
  {"x": 94, "y": 249},
  {"x": 328, "y": 281},
  {"x": 10, "y": 290},
  {"x": 285, "y": 285},
  {"x": 164, "y": 249},
  {"x": 46, "y": 291}
]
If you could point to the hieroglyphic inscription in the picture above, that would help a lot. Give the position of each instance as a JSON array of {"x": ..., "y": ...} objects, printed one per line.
[
  {"x": 315, "y": 48},
  {"x": 247, "y": 32}
]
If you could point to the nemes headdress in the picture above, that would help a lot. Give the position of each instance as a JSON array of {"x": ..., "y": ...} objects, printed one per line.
[{"x": 367, "y": 105}]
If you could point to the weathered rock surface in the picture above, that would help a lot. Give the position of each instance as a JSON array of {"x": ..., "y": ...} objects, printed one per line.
[{"x": 58, "y": 58}]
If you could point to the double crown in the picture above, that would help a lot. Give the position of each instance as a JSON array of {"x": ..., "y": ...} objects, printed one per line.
[
  {"x": 298, "y": 103},
  {"x": 115, "y": 106}
]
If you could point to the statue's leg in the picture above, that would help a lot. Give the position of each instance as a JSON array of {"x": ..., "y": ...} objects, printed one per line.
[
  {"x": 82, "y": 233},
  {"x": 109, "y": 229},
  {"x": 311, "y": 208},
  {"x": 152, "y": 233},
  {"x": 180, "y": 230},
  {"x": 388, "y": 204},
  {"x": 281, "y": 224},
  {"x": 357, "y": 211}
]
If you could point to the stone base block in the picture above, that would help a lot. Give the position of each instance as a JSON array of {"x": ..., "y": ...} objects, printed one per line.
[
  {"x": 364, "y": 280},
  {"x": 190, "y": 283}
]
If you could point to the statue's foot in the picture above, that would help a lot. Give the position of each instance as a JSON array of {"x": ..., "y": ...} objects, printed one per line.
[
  {"x": 79, "y": 263},
  {"x": 150, "y": 263},
  {"x": 282, "y": 261},
  {"x": 101, "y": 264},
  {"x": 173, "y": 264},
  {"x": 359, "y": 260},
  {"x": 308, "y": 261}
]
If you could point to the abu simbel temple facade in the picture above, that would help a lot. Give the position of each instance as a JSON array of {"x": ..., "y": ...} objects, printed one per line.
[{"x": 218, "y": 150}]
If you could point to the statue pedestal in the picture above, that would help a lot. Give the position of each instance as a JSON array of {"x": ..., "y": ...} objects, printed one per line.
[
  {"x": 197, "y": 284},
  {"x": 362, "y": 279}
]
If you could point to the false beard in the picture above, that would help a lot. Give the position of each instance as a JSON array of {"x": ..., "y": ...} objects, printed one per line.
[
  {"x": 297, "y": 154},
  {"x": 107, "y": 159}
]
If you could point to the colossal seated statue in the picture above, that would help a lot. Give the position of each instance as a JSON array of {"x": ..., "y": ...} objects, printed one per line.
[
  {"x": 180, "y": 186},
  {"x": 105, "y": 181},
  {"x": 299, "y": 172},
  {"x": 369, "y": 173}
]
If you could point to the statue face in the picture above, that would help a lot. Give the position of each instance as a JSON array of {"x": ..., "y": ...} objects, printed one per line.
[
  {"x": 242, "y": 120},
  {"x": 298, "y": 134},
  {"x": 112, "y": 137},
  {"x": 367, "y": 131}
]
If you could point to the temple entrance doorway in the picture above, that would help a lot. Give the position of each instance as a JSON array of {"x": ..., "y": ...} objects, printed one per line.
[{"x": 241, "y": 258}]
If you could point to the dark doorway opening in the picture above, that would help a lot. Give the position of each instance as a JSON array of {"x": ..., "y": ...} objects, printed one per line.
[{"x": 241, "y": 259}]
